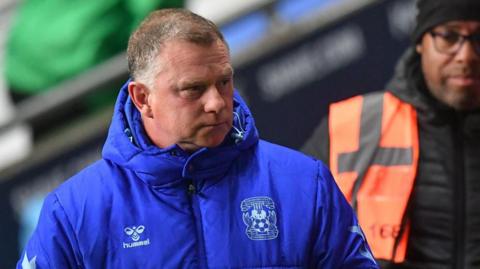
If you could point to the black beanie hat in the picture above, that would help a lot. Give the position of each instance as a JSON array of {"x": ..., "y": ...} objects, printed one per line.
[{"x": 434, "y": 12}]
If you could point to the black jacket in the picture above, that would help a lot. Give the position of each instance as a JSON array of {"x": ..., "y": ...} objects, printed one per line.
[{"x": 444, "y": 208}]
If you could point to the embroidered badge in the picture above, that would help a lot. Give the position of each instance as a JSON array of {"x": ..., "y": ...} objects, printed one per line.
[
  {"x": 134, "y": 233},
  {"x": 260, "y": 217}
]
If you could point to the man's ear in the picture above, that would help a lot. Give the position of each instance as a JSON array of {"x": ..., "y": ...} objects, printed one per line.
[
  {"x": 419, "y": 48},
  {"x": 139, "y": 94}
]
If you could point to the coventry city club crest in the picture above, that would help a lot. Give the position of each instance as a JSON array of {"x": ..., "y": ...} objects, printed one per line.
[{"x": 260, "y": 217}]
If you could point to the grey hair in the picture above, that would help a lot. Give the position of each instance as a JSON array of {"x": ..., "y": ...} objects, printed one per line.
[{"x": 164, "y": 25}]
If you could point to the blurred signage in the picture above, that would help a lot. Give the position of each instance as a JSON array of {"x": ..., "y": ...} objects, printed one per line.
[{"x": 289, "y": 89}]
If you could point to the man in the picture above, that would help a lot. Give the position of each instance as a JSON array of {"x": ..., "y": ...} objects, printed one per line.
[
  {"x": 408, "y": 159},
  {"x": 185, "y": 182}
]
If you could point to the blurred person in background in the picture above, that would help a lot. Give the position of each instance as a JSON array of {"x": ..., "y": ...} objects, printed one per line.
[
  {"x": 408, "y": 158},
  {"x": 51, "y": 41},
  {"x": 185, "y": 181}
]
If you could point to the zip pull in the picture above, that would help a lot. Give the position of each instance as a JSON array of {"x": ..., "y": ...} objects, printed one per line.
[{"x": 191, "y": 188}]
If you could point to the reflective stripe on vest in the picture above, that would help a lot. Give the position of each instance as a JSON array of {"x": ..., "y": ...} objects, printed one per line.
[{"x": 373, "y": 157}]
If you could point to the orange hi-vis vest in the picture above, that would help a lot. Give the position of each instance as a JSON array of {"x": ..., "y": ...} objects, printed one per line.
[{"x": 374, "y": 157}]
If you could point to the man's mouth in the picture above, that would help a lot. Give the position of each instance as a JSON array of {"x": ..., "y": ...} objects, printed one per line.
[
  {"x": 464, "y": 80},
  {"x": 214, "y": 124}
]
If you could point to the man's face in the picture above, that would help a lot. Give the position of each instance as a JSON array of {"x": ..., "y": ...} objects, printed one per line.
[
  {"x": 454, "y": 79},
  {"x": 192, "y": 97}
]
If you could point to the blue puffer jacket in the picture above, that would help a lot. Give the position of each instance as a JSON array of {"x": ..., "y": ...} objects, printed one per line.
[{"x": 244, "y": 204}]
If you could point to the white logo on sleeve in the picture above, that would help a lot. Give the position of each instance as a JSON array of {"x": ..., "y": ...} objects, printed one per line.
[
  {"x": 134, "y": 233},
  {"x": 260, "y": 217},
  {"x": 29, "y": 264}
]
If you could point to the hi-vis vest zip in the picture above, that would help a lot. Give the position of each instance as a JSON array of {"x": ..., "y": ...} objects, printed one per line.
[{"x": 374, "y": 157}]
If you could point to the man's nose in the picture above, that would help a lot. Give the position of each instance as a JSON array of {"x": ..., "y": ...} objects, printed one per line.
[
  {"x": 214, "y": 102},
  {"x": 467, "y": 52}
]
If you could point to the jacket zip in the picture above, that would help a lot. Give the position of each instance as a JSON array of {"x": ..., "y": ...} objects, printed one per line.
[
  {"x": 197, "y": 218},
  {"x": 460, "y": 184}
]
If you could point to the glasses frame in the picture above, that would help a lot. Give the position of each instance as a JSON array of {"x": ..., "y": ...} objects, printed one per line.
[{"x": 473, "y": 38}]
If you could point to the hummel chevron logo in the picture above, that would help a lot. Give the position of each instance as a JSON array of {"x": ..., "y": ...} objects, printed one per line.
[{"x": 134, "y": 233}]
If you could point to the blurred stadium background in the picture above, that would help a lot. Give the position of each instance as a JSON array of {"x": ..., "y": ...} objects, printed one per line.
[{"x": 291, "y": 59}]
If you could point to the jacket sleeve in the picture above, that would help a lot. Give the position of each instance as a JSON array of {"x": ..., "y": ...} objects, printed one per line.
[
  {"x": 318, "y": 144},
  {"x": 340, "y": 242},
  {"x": 53, "y": 242}
]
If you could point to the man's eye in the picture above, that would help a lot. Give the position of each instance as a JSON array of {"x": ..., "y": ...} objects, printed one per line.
[
  {"x": 225, "y": 81},
  {"x": 196, "y": 88},
  {"x": 450, "y": 37},
  {"x": 192, "y": 91}
]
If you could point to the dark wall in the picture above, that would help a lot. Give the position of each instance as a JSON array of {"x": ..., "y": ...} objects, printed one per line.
[{"x": 289, "y": 89}]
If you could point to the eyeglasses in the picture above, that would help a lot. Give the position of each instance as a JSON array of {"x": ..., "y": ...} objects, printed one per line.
[{"x": 451, "y": 42}]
